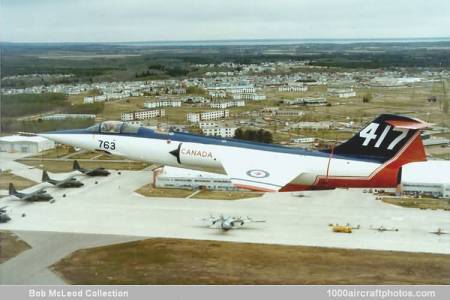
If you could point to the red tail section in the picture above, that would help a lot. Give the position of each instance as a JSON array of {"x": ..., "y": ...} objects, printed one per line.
[{"x": 409, "y": 148}]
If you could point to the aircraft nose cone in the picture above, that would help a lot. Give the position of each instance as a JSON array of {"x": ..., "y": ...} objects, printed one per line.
[{"x": 61, "y": 136}]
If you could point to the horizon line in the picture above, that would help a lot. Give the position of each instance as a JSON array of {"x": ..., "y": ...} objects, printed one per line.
[{"x": 233, "y": 40}]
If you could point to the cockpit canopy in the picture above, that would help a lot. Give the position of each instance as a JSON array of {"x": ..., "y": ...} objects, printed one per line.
[{"x": 115, "y": 127}]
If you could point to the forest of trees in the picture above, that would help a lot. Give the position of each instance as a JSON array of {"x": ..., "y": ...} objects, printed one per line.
[
  {"x": 29, "y": 104},
  {"x": 256, "y": 135}
]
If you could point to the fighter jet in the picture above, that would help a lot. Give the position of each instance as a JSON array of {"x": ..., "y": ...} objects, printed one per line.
[
  {"x": 227, "y": 223},
  {"x": 373, "y": 158},
  {"x": 439, "y": 231},
  {"x": 383, "y": 229},
  {"x": 90, "y": 172},
  {"x": 4, "y": 218},
  {"x": 69, "y": 182},
  {"x": 38, "y": 195}
]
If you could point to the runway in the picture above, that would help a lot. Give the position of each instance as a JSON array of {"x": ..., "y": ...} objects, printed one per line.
[{"x": 112, "y": 208}]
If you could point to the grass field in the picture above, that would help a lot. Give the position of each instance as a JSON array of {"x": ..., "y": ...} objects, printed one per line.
[
  {"x": 56, "y": 152},
  {"x": 10, "y": 246},
  {"x": 422, "y": 203},
  {"x": 20, "y": 183},
  {"x": 149, "y": 191},
  {"x": 176, "y": 261},
  {"x": 59, "y": 166},
  {"x": 226, "y": 195}
]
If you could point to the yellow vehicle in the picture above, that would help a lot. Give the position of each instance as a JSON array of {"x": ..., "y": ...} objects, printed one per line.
[{"x": 342, "y": 229}]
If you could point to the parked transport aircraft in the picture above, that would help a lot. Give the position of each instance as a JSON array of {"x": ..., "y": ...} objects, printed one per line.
[{"x": 373, "y": 158}]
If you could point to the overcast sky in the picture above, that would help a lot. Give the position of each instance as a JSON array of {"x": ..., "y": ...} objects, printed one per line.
[{"x": 156, "y": 20}]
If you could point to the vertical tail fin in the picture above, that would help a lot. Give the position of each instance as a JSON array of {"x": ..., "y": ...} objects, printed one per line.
[
  {"x": 385, "y": 138},
  {"x": 76, "y": 165},
  {"x": 45, "y": 177},
  {"x": 12, "y": 189}
]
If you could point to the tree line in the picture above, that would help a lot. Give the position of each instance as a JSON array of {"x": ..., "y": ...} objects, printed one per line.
[{"x": 256, "y": 135}]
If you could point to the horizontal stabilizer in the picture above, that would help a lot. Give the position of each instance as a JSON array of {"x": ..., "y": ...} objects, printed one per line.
[{"x": 408, "y": 124}]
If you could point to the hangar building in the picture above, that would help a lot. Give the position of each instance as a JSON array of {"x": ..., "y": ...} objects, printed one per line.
[
  {"x": 427, "y": 178},
  {"x": 171, "y": 177},
  {"x": 25, "y": 144}
]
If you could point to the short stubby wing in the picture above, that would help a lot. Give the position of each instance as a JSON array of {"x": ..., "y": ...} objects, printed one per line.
[{"x": 264, "y": 171}]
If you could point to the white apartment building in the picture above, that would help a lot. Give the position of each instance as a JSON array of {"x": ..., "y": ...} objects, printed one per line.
[
  {"x": 226, "y": 132},
  {"x": 208, "y": 115},
  {"x": 234, "y": 89},
  {"x": 92, "y": 99},
  {"x": 163, "y": 103},
  {"x": 342, "y": 92},
  {"x": 142, "y": 114},
  {"x": 306, "y": 101},
  {"x": 227, "y": 104},
  {"x": 203, "y": 124},
  {"x": 288, "y": 113},
  {"x": 293, "y": 88},
  {"x": 88, "y": 99},
  {"x": 217, "y": 94},
  {"x": 249, "y": 96}
]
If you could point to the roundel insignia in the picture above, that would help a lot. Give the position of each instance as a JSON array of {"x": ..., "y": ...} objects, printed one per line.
[{"x": 258, "y": 173}]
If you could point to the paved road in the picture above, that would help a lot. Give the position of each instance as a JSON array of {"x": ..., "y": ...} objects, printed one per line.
[{"x": 31, "y": 266}]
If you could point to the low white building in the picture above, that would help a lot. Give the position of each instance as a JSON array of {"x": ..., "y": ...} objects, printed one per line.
[
  {"x": 311, "y": 125},
  {"x": 428, "y": 178},
  {"x": 217, "y": 94},
  {"x": 171, "y": 177},
  {"x": 88, "y": 99},
  {"x": 306, "y": 101},
  {"x": 293, "y": 88},
  {"x": 68, "y": 116},
  {"x": 249, "y": 96},
  {"x": 195, "y": 99},
  {"x": 303, "y": 140},
  {"x": 25, "y": 144},
  {"x": 288, "y": 113},
  {"x": 342, "y": 92},
  {"x": 142, "y": 114},
  {"x": 100, "y": 98}
]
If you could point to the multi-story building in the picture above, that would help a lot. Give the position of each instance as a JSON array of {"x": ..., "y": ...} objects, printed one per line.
[
  {"x": 217, "y": 94},
  {"x": 163, "y": 103},
  {"x": 207, "y": 115},
  {"x": 249, "y": 96},
  {"x": 92, "y": 99},
  {"x": 288, "y": 113},
  {"x": 142, "y": 114},
  {"x": 227, "y": 104},
  {"x": 222, "y": 131}
]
